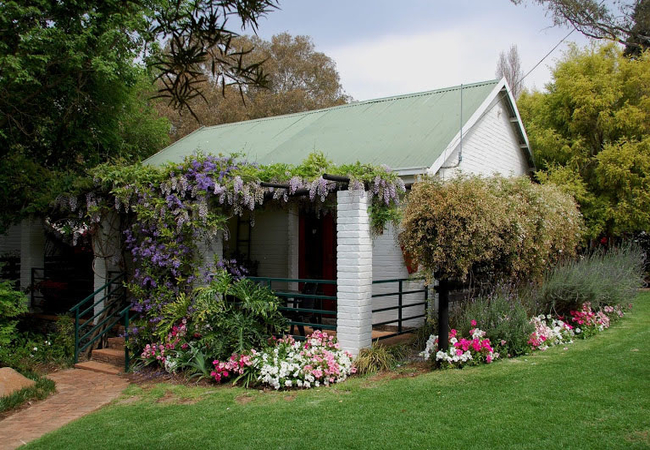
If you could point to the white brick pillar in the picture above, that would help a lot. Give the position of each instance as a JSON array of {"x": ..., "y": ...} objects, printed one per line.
[
  {"x": 32, "y": 249},
  {"x": 354, "y": 271},
  {"x": 107, "y": 252}
]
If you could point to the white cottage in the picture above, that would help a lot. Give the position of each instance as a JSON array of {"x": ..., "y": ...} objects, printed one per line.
[{"x": 472, "y": 128}]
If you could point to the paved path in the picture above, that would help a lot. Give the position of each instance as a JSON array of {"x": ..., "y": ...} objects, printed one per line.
[{"x": 78, "y": 392}]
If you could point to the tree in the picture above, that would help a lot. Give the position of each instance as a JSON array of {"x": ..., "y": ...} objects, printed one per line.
[
  {"x": 509, "y": 66},
  {"x": 590, "y": 134},
  {"x": 625, "y": 22},
  {"x": 73, "y": 75},
  {"x": 298, "y": 79}
]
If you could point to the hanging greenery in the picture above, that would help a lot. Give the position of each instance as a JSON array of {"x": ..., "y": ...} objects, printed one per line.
[{"x": 175, "y": 207}]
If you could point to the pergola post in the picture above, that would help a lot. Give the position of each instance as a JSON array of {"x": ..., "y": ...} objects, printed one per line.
[
  {"x": 210, "y": 249},
  {"x": 354, "y": 271},
  {"x": 293, "y": 244},
  {"x": 32, "y": 249},
  {"x": 107, "y": 254}
]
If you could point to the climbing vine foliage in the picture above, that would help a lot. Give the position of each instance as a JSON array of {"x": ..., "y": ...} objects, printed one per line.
[{"x": 175, "y": 208}]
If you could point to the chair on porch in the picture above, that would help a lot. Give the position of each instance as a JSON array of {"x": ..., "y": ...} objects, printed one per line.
[{"x": 305, "y": 303}]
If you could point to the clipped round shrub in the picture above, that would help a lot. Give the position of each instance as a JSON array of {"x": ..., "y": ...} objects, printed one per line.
[{"x": 489, "y": 229}]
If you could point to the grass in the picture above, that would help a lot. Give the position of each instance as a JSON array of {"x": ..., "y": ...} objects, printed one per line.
[
  {"x": 43, "y": 388},
  {"x": 594, "y": 394}
]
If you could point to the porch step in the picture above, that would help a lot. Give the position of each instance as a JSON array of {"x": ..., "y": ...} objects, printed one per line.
[
  {"x": 116, "y": 343},
  {"x": 109, "y": 355},
  {"x": 100, "y": 367}
]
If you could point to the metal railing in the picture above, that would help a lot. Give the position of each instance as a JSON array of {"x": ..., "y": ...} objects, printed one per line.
[
  {"x": 400, "y": 306},
  {"x": 299, "y": 305},
  {"x": 93, "y": 319},
  {"x": 37, "y": 277}
]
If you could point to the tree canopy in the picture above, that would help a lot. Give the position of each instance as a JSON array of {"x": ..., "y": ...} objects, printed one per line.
[
  {"x": 590, "y": 134},
  {"x": 76, "y": 77},
  {"x": 298, "y": 79},
  {"x": 625, "y": 22}
]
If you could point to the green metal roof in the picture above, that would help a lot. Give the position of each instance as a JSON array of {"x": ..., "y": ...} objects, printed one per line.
[{"x": 402, "y": 132}]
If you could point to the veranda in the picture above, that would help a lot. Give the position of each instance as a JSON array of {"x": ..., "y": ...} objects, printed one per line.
[{"x": 334, "y": 274}]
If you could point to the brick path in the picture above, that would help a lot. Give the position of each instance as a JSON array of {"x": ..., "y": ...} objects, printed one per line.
[{"x": 78, "y": 392}]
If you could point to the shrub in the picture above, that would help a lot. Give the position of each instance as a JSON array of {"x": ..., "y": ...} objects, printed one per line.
[
  {"x": 603, "y": 277},
  {"x": 12, "y": 304},
  {"x": 489, "y": 228},
  {"x": 227, "y": 316},
  {"x": 503, "y": 318}
]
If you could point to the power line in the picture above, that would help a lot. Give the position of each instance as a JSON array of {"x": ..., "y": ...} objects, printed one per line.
[
  {"x": 502, "y": 96},
  {"x": 545, "y": 56}
]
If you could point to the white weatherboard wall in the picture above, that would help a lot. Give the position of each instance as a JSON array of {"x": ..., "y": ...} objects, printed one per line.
[
  {"x": 490, "y": 147},
  {"x": 388, "y": 263},
  {"x": 270, "y": 243},
  {"x": 354, "y": 271},
  {"x": 10, "y": 241}
]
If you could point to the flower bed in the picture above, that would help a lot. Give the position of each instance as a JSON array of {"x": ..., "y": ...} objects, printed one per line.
[
  {"x": 464, "y": 351},
  {"x": 549, "y": 331},
  {"x": 287, "y": 363}
]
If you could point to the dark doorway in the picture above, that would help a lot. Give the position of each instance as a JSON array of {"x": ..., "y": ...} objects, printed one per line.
[{"x": 317, "y": 259}]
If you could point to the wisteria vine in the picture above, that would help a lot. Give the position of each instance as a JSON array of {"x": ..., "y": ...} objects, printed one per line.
[{"x": 175, "y": 207}]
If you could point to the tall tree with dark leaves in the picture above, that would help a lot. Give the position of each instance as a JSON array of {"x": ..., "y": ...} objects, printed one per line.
[{"x": 75, "y": 79}]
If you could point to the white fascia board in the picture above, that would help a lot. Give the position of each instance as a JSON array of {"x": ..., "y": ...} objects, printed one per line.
[
  {"x": 410, "y": 171},
  {"x": 520, "y": 124}
]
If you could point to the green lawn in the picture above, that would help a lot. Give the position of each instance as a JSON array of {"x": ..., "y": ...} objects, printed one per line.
[{"x": 595, "y": 394}]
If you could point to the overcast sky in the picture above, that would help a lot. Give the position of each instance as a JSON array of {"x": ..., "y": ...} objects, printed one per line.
[{"x": 385, "y": 48}]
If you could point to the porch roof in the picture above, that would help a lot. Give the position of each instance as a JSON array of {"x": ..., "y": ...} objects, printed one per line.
[{"x": 402, "y": 132}]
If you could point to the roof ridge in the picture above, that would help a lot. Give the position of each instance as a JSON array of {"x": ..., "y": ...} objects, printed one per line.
[{"x": 353, "y": 104}]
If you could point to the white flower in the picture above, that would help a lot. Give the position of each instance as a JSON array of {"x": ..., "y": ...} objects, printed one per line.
[{"x": 35, "y": 349}]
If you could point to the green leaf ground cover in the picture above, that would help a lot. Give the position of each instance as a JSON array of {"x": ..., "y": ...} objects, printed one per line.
[{"x": 594, "y": 394}]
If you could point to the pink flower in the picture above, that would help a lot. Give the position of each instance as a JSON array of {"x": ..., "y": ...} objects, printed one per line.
[{"x": 473, "y": 322}]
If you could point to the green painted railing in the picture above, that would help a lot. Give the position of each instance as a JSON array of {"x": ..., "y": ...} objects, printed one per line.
[
  {"x": 294, "y": 309},
  {"x": 94, "y": 318},
  {"x": 400, "y": 293}
]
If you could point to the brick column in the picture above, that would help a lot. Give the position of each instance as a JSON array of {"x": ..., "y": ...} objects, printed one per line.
[{"x": 354, "y": 271}]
